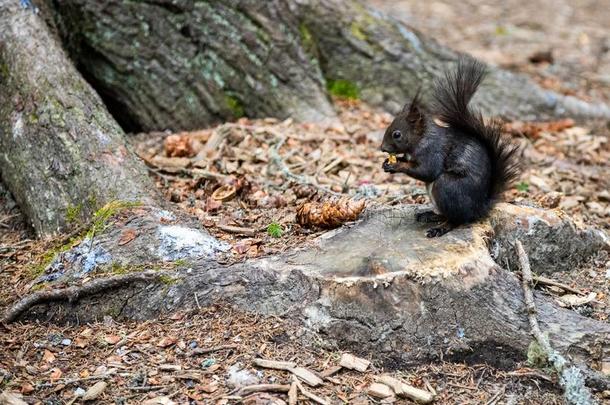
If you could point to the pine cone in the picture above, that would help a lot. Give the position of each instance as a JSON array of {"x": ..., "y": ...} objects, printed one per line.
[
  {"x": 178, "y": 146},
  {"x": 329, "y": 214}
]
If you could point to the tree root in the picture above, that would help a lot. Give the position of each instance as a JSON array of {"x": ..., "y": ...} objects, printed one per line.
[
  {"x": 572, "y": 380},
  {"x": 71, "y": 294}
]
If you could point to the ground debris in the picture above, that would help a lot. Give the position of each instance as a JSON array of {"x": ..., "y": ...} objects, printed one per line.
[
  {"x": 95, "y": 391},
  {"x": 354, "y": 363}
]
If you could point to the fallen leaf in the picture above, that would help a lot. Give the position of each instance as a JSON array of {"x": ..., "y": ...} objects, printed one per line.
[
  {"x": 112, "y": 339},
  {"x": 81, "y": 342},
  {"x": 48, "y": 356},
  {"x": 26, "y": 388},
  {"x": 127, "y": 236},
  {"x": 55, "y": 374},
  {"x": 167, "y": 341},
  {"x": 573, "y": 300}
]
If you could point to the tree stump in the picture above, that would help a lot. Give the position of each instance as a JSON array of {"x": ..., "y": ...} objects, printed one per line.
[{"x": 379, "y": 286}]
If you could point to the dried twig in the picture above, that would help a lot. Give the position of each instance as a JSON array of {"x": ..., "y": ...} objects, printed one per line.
[
  {"x": 212, "y": 349},
  {"x": 71, "y": 294},
  {"x": 263, "y": 388},
  {"x": 237, "y": 230},
  {"x": 64, "y": 381},
  {"x": 548, "y": 281},
  {"x": 308, "y": 394},
  {"x": 572, "y": 380},
  {"x": 276, "y": 159}
]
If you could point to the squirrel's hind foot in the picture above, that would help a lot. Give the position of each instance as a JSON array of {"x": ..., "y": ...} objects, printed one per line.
[
  {"x": 428, "y": 217},
  {"x": 439, "y": 230}
]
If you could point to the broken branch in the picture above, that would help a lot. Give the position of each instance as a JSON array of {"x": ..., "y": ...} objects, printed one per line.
[{"x": 572, "y": 380}]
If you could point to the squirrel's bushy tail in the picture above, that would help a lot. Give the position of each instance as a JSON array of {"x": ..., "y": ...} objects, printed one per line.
[{"x": 452, "y": 94}]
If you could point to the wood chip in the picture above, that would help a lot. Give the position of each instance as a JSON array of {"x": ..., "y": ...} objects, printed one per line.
[
  {"x": 216, "y": 139},
  {"x": 378, "y": 390},
  {"x": 276, "y": 365},
  {"x": 354, "y": 363},
  {"x": 307, "y": 376},
  {"x": 170, "y": 367},
  {"x": 12, "y": 398},
  {"x": 159, "y": 401},
  {"x": 263, "y": 388},
  {"x": 330, "y": 371},
  {"x": 170, "y": 164},
  {"x": 95, "y": 391},
  {"x": 308, "y": 394},
  {"x": 406, "y": 391},
  {"x": 573, "y": 300},
  {"x": 293, "y": 394}
]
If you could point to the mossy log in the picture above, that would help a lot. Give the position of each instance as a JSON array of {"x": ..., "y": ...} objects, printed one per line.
[{"x": 186, "y": 64}]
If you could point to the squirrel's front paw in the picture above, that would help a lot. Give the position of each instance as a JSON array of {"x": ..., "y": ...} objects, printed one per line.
[{"x": 388, "y": 167}]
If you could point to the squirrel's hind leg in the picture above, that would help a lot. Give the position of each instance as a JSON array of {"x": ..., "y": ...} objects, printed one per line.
[
  {"x": 429, "y": 217},
  {"x": 440, "y": 230}
]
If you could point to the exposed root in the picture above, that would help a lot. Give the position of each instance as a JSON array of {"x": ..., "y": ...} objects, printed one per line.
[
  {"x": 71, "y": 294},
  {"x": 572, "y": 380}
]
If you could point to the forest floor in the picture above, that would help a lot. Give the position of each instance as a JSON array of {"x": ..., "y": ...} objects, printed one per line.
[{"x": 234, "y": 179}]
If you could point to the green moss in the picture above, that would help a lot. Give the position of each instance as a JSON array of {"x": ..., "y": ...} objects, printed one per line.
[
  {"x": 536, "y": 357},
  {"x": 101, "y": 216},
  {"x": 236, "y": 107},
  {"x": 357, "y": 31},
  {"x": 49, "y": 256},
  {"x": 169, "y": 280},
  {"x": 4, "y": 71},
  {"x": 117, "y": 268},
  {"x": 38, "y": 287},
  {"x": 343, "y": 89},
  {"x": 181, "y": 263},
  {"x": 307, "y": 39},
  {"x": 100, "y": 221},
  {"x": 73, "y": 212}
]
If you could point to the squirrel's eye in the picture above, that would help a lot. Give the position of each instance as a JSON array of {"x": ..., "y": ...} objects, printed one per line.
[{"x": 396, "y": 134}]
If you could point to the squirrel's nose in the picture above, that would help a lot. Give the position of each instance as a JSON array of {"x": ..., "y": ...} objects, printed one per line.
[{"x": 386, "y": 148}]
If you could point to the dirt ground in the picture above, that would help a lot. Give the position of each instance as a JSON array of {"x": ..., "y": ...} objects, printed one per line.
[
  {"x": 567, "y": 166},
  {"x": 509, "y": 33}
]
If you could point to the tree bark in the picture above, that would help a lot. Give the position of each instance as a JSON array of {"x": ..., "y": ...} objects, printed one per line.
[
  {"x": 62, "y": 154},
  {"x": 184, "y": 64}
]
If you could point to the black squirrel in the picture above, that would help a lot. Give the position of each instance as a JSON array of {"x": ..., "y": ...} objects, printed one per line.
[{"x": 465, "y": 162}]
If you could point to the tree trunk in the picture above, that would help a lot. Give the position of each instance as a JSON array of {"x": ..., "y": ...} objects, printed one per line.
[
  {"x": 183, "y": 64},
  {"x": 62, "y": 154}
]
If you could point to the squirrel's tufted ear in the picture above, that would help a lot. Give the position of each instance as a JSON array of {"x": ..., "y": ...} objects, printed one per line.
[
  {"x": 414, "y": 104},
  {"x": 414, "y": 111}
]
